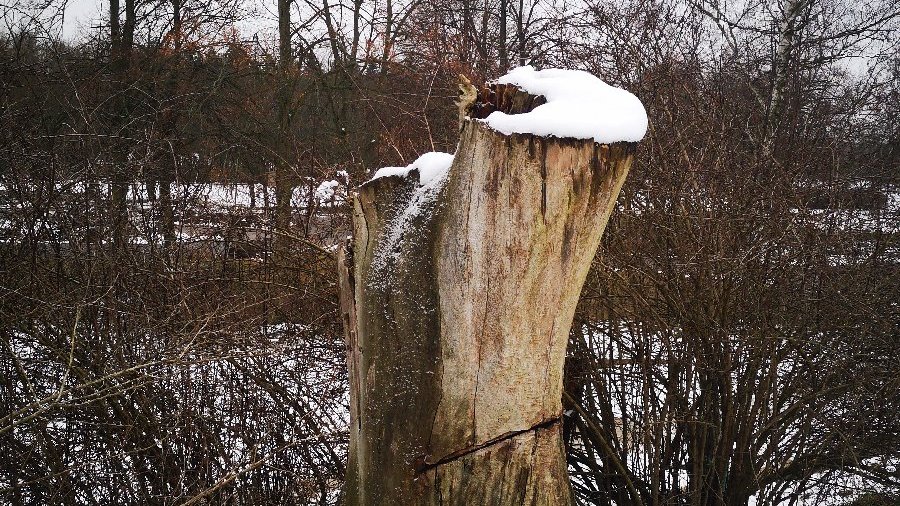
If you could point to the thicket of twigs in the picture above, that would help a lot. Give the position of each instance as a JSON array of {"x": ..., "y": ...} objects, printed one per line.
[{"x": 737, "y": 336}]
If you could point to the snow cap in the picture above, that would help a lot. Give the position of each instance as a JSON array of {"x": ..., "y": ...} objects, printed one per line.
[
  {"x": 578, "y": 106},
  {"x": 430, "y": 166}
]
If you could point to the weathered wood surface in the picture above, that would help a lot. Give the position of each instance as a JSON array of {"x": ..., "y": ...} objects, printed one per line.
[{"x": 457, "y": 321}]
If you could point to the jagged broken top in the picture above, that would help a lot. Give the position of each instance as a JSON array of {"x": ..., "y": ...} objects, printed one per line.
[{"x": 579, "y": 105}]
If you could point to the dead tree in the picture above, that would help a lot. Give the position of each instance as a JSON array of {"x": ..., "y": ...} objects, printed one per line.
[{"x": 457, "y": 308}]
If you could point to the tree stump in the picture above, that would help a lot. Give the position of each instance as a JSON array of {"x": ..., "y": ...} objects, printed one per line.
[{"x": 457, "y": 306}]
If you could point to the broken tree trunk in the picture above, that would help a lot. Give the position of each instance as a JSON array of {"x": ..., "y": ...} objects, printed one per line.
[{"x": 457, "y": 307}]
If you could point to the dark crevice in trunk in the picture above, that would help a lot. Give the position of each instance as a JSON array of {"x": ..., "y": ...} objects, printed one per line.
[
  {"x": 427, "y": 466},
  {"x": 507, "y": 98}
]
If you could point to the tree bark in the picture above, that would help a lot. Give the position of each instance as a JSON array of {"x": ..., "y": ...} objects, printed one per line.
[
  {"x": 780, "y": 70},
  {"x": 168, "y": 170},
  {"x": 457, "y": 316},
  {"x": 284, "y": 180},
  {"x": 122, "y": 45},
  {"x": 504, "y": 55}
]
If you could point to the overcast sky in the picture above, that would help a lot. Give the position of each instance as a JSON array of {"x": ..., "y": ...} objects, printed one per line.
[
  {"x": 80, "y": 15},
  {"x": 83, "y": 15}
]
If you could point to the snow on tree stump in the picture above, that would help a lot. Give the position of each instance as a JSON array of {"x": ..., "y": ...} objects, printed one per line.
[{"x": 457, "y": 296}]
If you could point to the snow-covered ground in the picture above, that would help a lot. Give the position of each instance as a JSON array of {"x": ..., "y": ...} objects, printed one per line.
[{"x": 203, "y": 212}]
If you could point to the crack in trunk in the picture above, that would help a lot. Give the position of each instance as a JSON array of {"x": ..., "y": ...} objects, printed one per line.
[{"x": 423, "y": 465}]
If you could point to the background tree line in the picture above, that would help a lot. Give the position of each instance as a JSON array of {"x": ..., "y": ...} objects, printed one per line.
[{"x": 172, "y": 190}]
